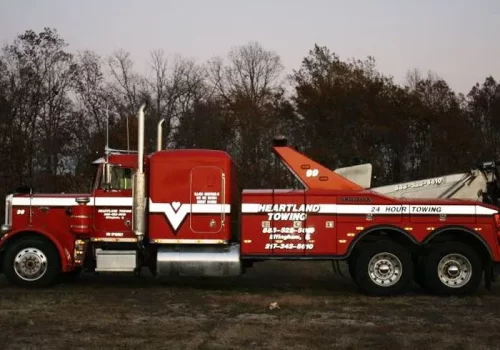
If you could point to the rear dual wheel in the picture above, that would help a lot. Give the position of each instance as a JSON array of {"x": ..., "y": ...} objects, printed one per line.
[
  {"x": 451, "y": 268},
  {"x": 385, "y": 267},
  {"x": 382, "y": 268}
]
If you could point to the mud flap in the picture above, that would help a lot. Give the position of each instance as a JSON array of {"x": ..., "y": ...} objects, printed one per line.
[
  {"x": 495, "y": 271},
  {"x": 491, "y": 271},
  {"x": 488, "y": 278}
]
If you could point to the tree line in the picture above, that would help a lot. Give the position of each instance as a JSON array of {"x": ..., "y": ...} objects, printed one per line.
[{"x": 54, "y": 105}]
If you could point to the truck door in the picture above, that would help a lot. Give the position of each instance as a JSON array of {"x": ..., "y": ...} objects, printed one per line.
[
  {"x": 321, "y": 225},
  {"x": 112, "y": 217},
  {"x": 207, "y": 199}
]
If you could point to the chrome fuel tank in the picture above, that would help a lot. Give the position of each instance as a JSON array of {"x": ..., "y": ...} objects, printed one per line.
[{"x": 216, "y": 261}]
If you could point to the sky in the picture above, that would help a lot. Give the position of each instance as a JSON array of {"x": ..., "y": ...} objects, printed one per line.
[{"x": 457, "y": 39}]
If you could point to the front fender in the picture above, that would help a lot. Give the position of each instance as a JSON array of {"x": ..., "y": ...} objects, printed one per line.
[{"x": 63, "y": 241}]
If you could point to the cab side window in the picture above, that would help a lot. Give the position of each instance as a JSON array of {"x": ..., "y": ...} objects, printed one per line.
[{"x": 120, "y": 179}]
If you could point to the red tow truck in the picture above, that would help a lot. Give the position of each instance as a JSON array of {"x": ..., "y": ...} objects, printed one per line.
[{"x": 179, "y": 213}]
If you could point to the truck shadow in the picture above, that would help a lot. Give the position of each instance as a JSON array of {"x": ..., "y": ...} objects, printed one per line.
[{"x": 313, "y": 278}]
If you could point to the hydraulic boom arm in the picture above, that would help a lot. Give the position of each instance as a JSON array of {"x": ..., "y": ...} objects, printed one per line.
[
  {"x": 312, "y": 174},
  {"x": 480, "y": 184}
]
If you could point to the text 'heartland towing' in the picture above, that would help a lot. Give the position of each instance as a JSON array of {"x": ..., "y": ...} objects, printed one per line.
[
  {"x": 288, "y": 212},
  {"x": 179, "y": 213}
]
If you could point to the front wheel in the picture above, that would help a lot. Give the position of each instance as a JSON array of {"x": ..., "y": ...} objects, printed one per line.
[
  {"x": 452, "y": 268},
  {"x": 32, "y": 262},
  {"x": 383, "y": 268}
]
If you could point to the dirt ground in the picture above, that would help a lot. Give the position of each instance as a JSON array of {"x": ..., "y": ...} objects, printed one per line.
[{"x": 317, "y": 310}]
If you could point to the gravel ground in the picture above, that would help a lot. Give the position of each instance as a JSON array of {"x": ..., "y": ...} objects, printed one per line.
[{"x": 316, "y": 310}]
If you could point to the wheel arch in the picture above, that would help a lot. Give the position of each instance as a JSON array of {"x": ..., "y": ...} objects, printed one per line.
[
  {"x": 462, "y": 234},
  {"x": 392, "y": 232},
  {"x": 64, "y": 253}
]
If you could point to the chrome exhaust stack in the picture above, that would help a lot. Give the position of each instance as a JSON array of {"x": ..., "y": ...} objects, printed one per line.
[
  {"x": 159, "y": 136},
  {"x": 139, "y": 189}
]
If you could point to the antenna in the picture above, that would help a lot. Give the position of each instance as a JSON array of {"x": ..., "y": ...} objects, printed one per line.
[
  {"x": 128, "y": 137},
  {"x": 107, "y": 133},
  {"x": 107, "y": 150},
  {"x": 31, "y": 207}
]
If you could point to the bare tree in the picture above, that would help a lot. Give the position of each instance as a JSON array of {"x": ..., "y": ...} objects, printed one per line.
[
  {"x": 40, "y": 74},
  {"x": 248, "y": 82},
  {"x": 53, "y": 112},
  {"x": 128, "y": 87},
  {"x": 174, "y": 89},
  {"x": 90, "y": 88},
  {"x": 252, "y": 72},
  {"x": 92, "y": 101}
]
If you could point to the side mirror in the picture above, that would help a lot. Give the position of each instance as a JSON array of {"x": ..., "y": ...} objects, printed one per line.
[
  {"x": 105, "y": 184},
  {"x": 107, "y": 174}
]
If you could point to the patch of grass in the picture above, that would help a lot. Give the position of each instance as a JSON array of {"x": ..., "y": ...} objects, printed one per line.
[{"x": 317, "y": 310}]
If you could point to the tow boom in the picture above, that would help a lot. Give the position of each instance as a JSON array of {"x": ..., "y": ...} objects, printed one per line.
[{"x": 311, "y": 174}]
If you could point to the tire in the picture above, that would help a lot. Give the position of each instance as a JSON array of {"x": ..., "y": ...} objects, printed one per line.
[
  {"x": 418, "y": 272},
  {"x": 352, "y": 271},
  {"x": 452, "y": 268},
  {"x": 36, "y": 252},
  {"x": 352, "y": 264},
  {"x": 383, "y": 268}
]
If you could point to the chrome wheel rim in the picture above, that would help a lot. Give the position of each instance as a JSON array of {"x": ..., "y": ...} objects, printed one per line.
[
  {"x": 385, "y": 269},
  {"x": 30, "y": 264},
  {"x": 454, "y": 270}
]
